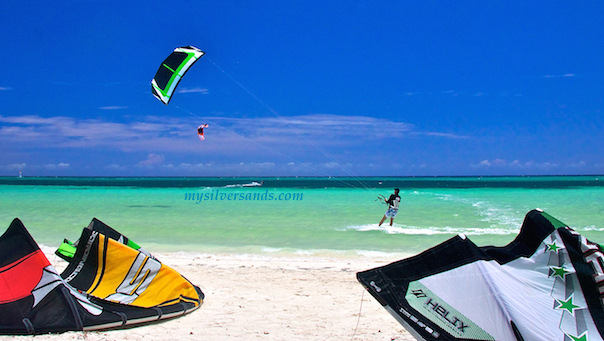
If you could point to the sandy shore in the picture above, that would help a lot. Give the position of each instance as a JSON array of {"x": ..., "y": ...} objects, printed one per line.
[{"x": 256, "y": 298}]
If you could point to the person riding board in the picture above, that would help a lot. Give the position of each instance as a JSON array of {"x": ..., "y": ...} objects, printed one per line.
[{"x": 392, "y": 203}]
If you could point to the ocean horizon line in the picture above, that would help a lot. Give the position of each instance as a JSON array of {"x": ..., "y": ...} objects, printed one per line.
[
  {"x": 366, "y": 182},
  {"x": 301, "y": 176}
]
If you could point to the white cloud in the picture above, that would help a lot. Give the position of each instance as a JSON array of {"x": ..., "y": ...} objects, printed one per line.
[
  {"x": 13, "y": 166},
  {"x": 253, "y": 168},
  {"x": 447, "y": 135},
  {"x": 516, "y": 164},
  {"x": 203, "y": 91},
  {"x": 52, "y": 166},
  {"x": 286, "y": 136},
  {"x": 320, "y": 128},
  {"x": 153, "y": 159},
  {"x": 69, "y": 132},
  {"x": 113, "y": 107},
  {"x": 559, "y": 76}
]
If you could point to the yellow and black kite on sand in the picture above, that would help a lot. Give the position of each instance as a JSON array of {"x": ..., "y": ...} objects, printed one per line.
[{"x": 107, "y": 284}]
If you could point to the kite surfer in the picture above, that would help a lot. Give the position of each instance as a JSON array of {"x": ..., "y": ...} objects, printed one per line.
[
  {"x": 200, "y": 131},
  {"x": 392, "y": 203}
]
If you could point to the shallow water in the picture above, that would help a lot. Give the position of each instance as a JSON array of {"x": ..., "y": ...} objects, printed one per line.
[{"x": 306, "y": 215}]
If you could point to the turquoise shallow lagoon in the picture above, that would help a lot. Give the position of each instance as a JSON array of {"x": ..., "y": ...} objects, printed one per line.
[{"x": 299, "y": 215}]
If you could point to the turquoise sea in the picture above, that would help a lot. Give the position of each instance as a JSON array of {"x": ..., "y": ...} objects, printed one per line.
[{"x": 320, "y": 216}]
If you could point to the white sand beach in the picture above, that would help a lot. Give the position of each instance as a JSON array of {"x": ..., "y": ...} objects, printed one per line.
[{"x": 258, "y": 298}]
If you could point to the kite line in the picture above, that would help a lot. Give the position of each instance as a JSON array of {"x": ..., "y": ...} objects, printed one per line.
[
  {"x": 359, "y": 318},
  {"x": 267, "y": 147},
  {"x": 178, "y": 63},
  {"x": 276, "y": 114}
]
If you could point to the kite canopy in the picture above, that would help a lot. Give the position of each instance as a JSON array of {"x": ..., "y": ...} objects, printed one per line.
[
  {"x": 172, "y": 70},
  {"x": 112, "y": 267},
  {"x": 34, "y": 299},
  {"x": 547, "y": 284}
]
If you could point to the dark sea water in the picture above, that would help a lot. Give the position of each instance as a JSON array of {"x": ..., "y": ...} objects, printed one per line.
[{"x": 317, "y": 216}]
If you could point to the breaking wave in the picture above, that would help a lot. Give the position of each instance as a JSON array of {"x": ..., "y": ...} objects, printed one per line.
[{"x": 415, "y": 230}]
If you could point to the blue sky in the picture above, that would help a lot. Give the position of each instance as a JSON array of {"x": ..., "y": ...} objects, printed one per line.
[{"x": 295, "y": 88}]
